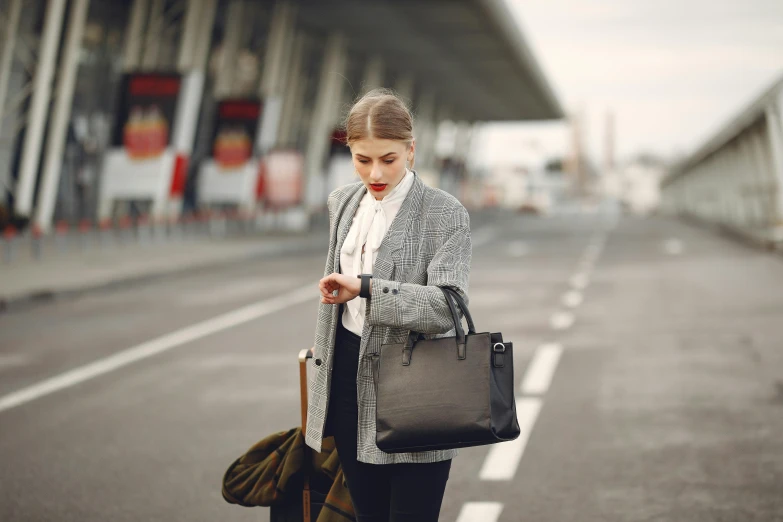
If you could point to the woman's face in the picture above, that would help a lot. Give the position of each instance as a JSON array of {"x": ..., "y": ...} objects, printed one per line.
[{"x": 381, "y": 163}]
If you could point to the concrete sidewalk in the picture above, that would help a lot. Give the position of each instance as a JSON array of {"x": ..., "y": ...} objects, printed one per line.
[
  {"x": 66, "y": 274},
  {"x": 91, "y": 262}
]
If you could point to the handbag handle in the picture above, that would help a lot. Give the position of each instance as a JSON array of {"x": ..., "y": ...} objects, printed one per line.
[
  {"x": 463, "y": 306},
  {"x": 461, "y": 339},
  {"x": 451, "y": 295}
]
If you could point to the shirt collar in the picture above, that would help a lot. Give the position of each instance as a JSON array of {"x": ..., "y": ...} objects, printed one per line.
[{"x": 398, "y": 193}]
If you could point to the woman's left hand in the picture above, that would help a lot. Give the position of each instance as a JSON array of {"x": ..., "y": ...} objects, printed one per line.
[{"x": 347, "y": 287}]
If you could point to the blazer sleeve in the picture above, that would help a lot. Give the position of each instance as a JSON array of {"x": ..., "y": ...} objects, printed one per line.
[{"x": 423, "y": 308}]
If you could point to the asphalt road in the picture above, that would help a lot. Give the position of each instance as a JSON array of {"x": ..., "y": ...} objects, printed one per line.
[{"x": 648, "y": 355}]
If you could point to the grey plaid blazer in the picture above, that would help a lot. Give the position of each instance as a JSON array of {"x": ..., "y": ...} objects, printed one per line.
[{"x": 426, "y": 245}]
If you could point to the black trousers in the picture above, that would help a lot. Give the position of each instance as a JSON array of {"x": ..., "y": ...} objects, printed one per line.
[{"x": 379, "y": 492}]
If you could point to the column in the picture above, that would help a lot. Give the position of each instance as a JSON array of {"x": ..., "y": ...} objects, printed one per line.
[
  {"x": 229, "y": 49},
  {"x": 323, "y": 119},
  {"x": 190, "y": 36},
  {"x": 42, "y": 88},
  {"x": 204, "y": 30},
  {"x": 292, "y": 102},
  {"x": 404, "y": 86},
  {"x": 775, "y": 133},
  {"x": 373, "y": 74},
  {"x": 134, "y": 34},
  {"x": 273, "y": 89},
  {"x": 8, "y": 50},
  {"x": 149, "y": 59},
  {"x": 192, "y": 61},
  {"x": 424, "y": 128},
  {"x": 53, "y": 159}
]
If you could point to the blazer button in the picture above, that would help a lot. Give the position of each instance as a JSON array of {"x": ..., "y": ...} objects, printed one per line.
[
  {"x": 318, "y": 362},
  {"x": 394, "y": 291},
  {"x": 385, "y": 289}
]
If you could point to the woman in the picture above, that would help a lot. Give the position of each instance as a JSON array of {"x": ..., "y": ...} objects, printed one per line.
[{"x": 393, "y": 242}]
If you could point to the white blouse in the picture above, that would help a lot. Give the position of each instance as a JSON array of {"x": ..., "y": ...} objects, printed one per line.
[{"x": 369, "y": 226}]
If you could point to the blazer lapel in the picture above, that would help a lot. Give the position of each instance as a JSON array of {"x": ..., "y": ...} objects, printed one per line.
[
  {"x": 393, "y": 241},
  {"x": 389, "y": 251}
]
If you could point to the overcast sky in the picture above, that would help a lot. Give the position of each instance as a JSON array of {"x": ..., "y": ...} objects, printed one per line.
[{"x": 671, "y": 70}]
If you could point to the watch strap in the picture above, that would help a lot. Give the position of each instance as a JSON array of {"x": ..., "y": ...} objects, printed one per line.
[{"x": 364, "y": 289}]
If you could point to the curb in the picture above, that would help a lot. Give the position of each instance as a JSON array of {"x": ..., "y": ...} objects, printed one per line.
[
  {"x": 46, "y": 296},
  {"x": 9, "y": 304}
]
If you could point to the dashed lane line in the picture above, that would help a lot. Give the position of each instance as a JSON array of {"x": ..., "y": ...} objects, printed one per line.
[
  {"x": 580, "y": 281},
  {"x": 561, "y": 320},
  {"x": 572, "y": 299},
  {"x": 503, "y": 458},
  {"x": 480, "y": 512},
  {"x": 541, "y": 369}
]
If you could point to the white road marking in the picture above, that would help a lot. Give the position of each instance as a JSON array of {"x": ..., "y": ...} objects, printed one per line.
[
  {"x": 591, "y": 255},
  {"x": 561, "y": 320},
  {"x": 503, "y": 458},
  {"x": 539, "y": 374},
  {"x": 518, "y": 249},
  {"x": 673, "y": 246},
  {"x": 572, "y": 299},
  {"x": 159, "y": 345},
  {"x": 580, "y": 281},
  {"x": 480, "y": 512}
]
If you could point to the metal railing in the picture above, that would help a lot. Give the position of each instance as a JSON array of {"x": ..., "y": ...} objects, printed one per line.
[{"x": 735, "y": 180}]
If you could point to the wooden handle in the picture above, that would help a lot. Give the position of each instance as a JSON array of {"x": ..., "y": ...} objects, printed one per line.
[{"x": 303, "y": 356}]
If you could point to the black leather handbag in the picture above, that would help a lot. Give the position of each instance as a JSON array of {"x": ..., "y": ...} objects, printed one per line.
[{"x": 447, "y": 392}]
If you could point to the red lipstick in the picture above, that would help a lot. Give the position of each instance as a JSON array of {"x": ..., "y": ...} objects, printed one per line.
[{"x": 377, "y": 187}]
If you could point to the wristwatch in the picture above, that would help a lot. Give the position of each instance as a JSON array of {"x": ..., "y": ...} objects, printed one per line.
[{"x": 364, "y": 290}]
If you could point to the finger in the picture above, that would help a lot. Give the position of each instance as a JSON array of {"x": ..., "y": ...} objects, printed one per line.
[{"x": 327, "y": 287}]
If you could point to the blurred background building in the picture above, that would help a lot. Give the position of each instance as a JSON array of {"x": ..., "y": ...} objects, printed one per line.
[{"x": 160, "y": 108}]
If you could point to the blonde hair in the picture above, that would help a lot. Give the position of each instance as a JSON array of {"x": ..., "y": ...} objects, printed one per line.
[{"x": 380, "y": 114}]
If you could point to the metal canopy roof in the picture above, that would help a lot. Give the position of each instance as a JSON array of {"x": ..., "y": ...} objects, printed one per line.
[{"x": 470, "y": 53}]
